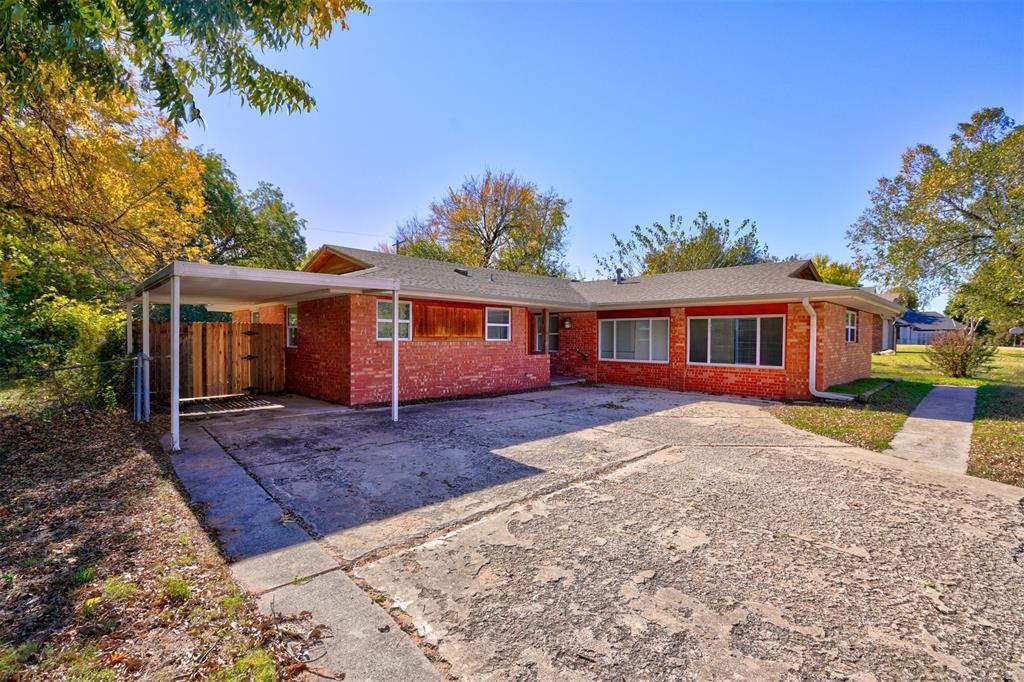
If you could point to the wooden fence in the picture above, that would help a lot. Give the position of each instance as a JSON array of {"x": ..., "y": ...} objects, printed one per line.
[{"x": 218, "y": 358}]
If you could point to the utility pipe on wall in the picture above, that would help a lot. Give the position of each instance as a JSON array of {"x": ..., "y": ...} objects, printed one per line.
[
  {"x": 394, "y": 354},
  {"x": 812, "y": 369}
]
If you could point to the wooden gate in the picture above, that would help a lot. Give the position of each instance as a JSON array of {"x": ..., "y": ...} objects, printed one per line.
[{"x": 218, "y": 358}]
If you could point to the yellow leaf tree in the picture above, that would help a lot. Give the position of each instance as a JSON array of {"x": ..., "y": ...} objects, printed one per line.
[{"x": 110, "y": 179}]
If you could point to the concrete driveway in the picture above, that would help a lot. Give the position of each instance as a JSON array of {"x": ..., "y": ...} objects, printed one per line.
[{"x": 598, "y": 532}]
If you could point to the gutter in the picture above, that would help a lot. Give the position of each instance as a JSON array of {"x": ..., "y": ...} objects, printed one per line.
[{"x": 812, "y": 367}]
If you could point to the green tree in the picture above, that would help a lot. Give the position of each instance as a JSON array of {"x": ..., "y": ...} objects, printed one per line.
[
  {"x": 497, "y": 220},
  {"x": 995, "y": 293},
  {"x": 836, "y": 272},
  {"x": 950, "y": 218},
  {"x": 165, "y": 48},
  {"x": 674, "y": 247},
  {"x": 255, "y": 229}
]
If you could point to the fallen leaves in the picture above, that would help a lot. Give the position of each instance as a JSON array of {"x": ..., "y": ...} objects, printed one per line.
[{"x": 104, "y": 566}]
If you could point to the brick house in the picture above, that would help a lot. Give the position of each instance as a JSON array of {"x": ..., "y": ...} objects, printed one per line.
[{"x": 743, "y": 330}]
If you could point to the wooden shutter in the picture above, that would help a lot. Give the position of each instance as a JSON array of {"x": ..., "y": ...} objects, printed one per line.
[{"x": 435, "y": 321}]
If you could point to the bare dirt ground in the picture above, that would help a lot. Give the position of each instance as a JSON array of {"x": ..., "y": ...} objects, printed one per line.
[{"x": 620, "y": 533}]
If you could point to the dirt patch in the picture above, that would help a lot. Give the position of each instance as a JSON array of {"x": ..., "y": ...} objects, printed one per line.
[{"x": 105, "y": 570}]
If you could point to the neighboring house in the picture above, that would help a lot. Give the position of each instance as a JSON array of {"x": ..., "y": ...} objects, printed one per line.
[
  {"x": 741, "y": 330},
  {"x": 919, "y": 327}
]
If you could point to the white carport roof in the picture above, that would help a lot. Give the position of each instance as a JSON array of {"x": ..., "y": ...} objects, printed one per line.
[{"x": 227, "y": 287}]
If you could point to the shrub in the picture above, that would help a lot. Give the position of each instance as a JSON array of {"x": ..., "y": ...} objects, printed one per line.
[
  {"x": 960, "y": 353},
  {"x": 176, "y": 589},
  {"x": 83, "y": 575}
]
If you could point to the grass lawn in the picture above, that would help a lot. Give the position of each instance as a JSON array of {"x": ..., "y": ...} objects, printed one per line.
[
  {"x": 870, "y": 425},
  {"x": 997, "y": 446},
  {"x": 859, "y": 386},
  {"x": 909, "y": 363},
  {"x": 105, "y": 572}
]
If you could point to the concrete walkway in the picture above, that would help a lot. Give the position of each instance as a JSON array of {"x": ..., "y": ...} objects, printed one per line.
[
  {"x": 272, "y": 557},
  {"x": 938, "y": 432}
]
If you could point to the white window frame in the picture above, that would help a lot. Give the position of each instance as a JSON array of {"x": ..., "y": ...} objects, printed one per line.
[
  {"x": 650, "y": 340},
  {"x": 289, "y": 327},
  {"x": 538, "y": 319},
  {"x": 757, "y": 365},
  {"x": 852, "y": 327},
  {"x": 488, "y": 324},
  {"x": 395, "y": 325}
]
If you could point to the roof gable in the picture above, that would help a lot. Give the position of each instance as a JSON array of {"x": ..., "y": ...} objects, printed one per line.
[{"x": 329, "y": 262}]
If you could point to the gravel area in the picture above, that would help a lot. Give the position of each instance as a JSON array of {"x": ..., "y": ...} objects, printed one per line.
[{"x": 620, "y": 533}]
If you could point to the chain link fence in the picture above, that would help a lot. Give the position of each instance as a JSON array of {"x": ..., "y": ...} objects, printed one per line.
[{"x": 109, "y": 385}]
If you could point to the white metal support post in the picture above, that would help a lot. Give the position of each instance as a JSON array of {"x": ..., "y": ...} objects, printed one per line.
[
  {"x": 129, "y": 345},
  {"x": 175, "y": 362},
  {"x": 394, "y": 354},
  {"x": 146, "y": 358},
  {"x": 544, "y": 330}
]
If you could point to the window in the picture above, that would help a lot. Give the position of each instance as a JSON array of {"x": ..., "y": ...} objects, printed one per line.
[
  {"x": 499, "y": 324},
  {"x": 292, "y": 324},
  {"x": 754, "y": 341},
  {"x": 636, "y": 340},
  {"x": 255, "y": 317},
  {"x": 552, "y": 332},
  {"x": 851, "y": 326},
  {"x": 385, "y": 320}
]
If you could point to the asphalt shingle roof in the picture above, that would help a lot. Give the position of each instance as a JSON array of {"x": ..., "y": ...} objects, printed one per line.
[
  {"x": 738, "y": 281},
  {"x": 433, "y": 275},
  {"x": 928, "y": 321},
  {"x": 764, "y": 279}
]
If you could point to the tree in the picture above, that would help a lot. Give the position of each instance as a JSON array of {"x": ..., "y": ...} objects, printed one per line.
[
  {"x": 995, "y": 293},
  {"x": 943, "y": 217},
  {"x": 836, "y": 272},
  {"x": 165, "y": 48},
  {"x": 255, "y": 229},
  {"x": 706, "y": 244},
  {"x": 498, "y": 220},
  {"x": 111, "y": 182}
]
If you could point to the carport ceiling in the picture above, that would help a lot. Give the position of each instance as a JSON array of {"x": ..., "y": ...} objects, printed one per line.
[{"x": 226, "y": 287}]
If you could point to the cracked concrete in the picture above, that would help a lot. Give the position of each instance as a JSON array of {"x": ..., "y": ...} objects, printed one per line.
[{"x": 617, "y": 533}]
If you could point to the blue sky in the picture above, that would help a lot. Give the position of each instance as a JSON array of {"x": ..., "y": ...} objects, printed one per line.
[{"x": 783, "y": 113}]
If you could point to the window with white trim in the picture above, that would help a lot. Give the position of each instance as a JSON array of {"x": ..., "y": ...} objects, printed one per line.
[
  {"x": 754, "y": 341},
  {"x": 851, "y": 326},
  {"x": 291, "y": 317},
  {"x": 498, "y": 324},
  {"x": 255, "y": 317},
  {"x": 386, "y": 321},
  {"x": 634, "y": 339},
  {"x": 538, "y": 332}
]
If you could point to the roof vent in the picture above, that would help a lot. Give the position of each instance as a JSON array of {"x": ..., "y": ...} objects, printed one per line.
[
  {"x": 492, "y": 278},
  {"x": 619, "y": 279},
  {"x": 462, "y": 271}
]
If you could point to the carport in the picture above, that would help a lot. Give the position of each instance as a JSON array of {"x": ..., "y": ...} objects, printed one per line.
[{"x": 227, "y": 287}]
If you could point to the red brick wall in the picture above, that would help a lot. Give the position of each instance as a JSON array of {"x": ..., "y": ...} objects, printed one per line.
[
  {"x": 318, "y": 365},
  {"x": 577, "y": 346},
  {"x": 437, "y": 368},
  {"x": 338, "y": 357},
  {"x": 876, "y": 333},
  {"x": 582, "y": 339},
  {"x": 269, "y": 314},
  {"x": 840, "y": 362},
  {"x": 759, "y": 382}
]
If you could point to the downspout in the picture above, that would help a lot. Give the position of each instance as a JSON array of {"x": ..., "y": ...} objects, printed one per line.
[{"x": 812, "y": 368}]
